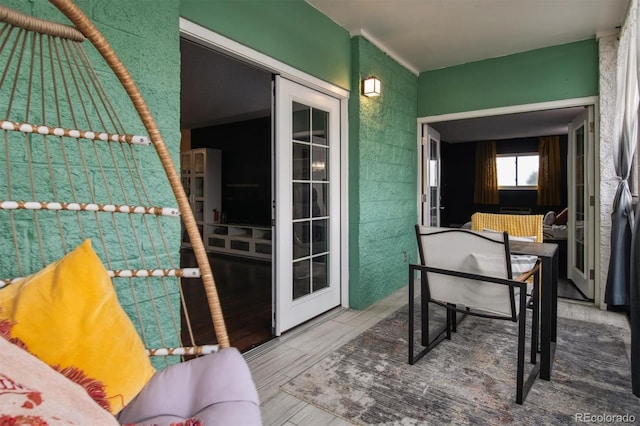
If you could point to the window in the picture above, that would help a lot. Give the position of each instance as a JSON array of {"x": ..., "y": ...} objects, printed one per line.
[{"x": 517, "y": 171}]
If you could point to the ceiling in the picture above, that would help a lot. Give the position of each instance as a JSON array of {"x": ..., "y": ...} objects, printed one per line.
[
  {"x": 508, "y": 126},
  {"x": 421, "y": 35},
  {"x": 432, "y": 34},
  {"x": 216, "y": 89}
]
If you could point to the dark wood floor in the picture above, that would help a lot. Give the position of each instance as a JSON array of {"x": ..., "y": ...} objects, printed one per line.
[
  {"x": 244, "y": 288},
  {"x": 568, "y": 290}
]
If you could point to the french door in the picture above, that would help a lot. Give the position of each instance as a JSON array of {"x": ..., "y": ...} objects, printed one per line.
[
  {"x": 307, "y": 207},
  {"x": 430, "y": 177},
  {"x": 580, "y": 170}
]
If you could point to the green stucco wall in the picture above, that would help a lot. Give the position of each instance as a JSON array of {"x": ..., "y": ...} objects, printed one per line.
[
  {"x": 148, "y": 45},
  {"x": 290, "y": 31},
  {"x": 382, "y": 177},
  {"x": 553, "y": 73}
]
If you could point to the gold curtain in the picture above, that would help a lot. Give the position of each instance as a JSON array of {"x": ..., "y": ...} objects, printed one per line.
[
  {"x": 485, "y": 189},
  {"x": 549, "y": 171}
]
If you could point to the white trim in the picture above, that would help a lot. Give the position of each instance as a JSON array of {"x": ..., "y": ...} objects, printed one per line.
[
  {"x": 540, "y": 106},
  {"x": 596, "y": 208},
  {"x": 291, "y": 311},
  {"x": 344, "y": 200},
  {"x": 513, "y": 109},
  {"x": 386, "y": 50},
  {"x": 195, "y": 32}
]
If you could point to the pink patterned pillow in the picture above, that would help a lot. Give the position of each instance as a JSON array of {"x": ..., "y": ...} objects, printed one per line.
[{"x": 32, "y": 393}]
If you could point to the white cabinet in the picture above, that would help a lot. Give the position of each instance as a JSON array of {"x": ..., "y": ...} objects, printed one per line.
[
  {"x": 239, "y": 240},
  {"x": 201, "y": 178}
]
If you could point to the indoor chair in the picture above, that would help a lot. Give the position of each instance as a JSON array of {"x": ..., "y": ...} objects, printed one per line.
[
  {"x": 525, "y": 227},
  {"x": 517, "y": 225},
  {"x": 470, "y": 273}
]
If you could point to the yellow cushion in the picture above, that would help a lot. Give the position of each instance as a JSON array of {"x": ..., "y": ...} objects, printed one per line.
[
  {"x": 68, "y": 315},
  {"x": 519, "y": 225}
]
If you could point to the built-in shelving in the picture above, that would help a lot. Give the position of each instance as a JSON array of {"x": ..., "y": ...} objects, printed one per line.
[
  {"x": 239, "y": 240},
  {"x": 200, "y": 173}
]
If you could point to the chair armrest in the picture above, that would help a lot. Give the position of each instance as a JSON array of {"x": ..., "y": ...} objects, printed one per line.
[
  {"x": 526, "y": 275},
  {"x": 468, "y": 275}
]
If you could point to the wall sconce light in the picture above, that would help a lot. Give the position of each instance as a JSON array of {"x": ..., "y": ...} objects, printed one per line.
[{"x": 371, "y": 86}]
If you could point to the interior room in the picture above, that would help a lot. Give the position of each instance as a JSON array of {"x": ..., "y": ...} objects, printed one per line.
[
  {"x": 226, "y": 120},
  {"x": 514, "y": 134}
]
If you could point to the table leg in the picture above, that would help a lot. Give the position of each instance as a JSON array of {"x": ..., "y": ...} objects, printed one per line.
[
  {"x": 411, "y": 312},
  {"x": 549, "y": 310},
  {"x": 424, "y": 309}
]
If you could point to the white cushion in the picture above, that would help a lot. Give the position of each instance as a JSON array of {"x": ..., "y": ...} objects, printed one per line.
[
  {"x": 511, "y": 237},
  {"x": 475, "y": 294},
  {"x": 522, "y": 263},
  {"x": 471, "y": 252},
  {"x": 549, "y": 218}
]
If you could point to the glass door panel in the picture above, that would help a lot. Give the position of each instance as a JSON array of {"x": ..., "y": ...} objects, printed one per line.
[
  {"x": 430, "y": 181},
  {"x": 198, "y": 162},
  {"x": 307, "y": 204},
  {"x": 578, "y": 223},
  {"x": 308, "y": 189}
]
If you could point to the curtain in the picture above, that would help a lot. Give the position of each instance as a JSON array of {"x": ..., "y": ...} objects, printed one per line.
[
  {"x": 549, "y": 171},
  {"x": 634, "y": 306},
  {"x": 623, "y": 273},
  {"x": 624, "y": 142},
  {"x": 485, "y": 187},
  {"x": 634, "y": 284}
]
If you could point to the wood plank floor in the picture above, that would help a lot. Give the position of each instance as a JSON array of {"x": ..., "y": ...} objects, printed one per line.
[
  {"x": 244, "y": 288},
  {"x": 281, "y": 359}
]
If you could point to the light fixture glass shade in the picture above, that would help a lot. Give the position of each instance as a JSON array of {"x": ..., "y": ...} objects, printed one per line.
[{"x": 371, "y": 86}]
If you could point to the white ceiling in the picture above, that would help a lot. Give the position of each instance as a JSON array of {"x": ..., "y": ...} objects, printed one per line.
[
  {"x": 432, "y": 34},
  {"x": 508, "y": 126},
  {"x": 422, "y": 35}
]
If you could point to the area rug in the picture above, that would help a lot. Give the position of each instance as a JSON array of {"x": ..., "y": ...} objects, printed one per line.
[{"x": 471, "y": 378}]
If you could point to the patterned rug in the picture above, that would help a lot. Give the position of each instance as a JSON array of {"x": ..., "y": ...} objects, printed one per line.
[{"x": 471, "y": 379}]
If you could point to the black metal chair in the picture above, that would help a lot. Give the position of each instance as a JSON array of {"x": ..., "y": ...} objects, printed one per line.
[{"x": 470, "y": 272}]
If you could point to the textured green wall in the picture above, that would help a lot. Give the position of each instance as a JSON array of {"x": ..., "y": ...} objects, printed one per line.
[
  {"x": 382, "y": 177},
  {"x": 288, "y": 30},
  {"x": 549, "y": 74},
  {"x": 148, "y": 44}
]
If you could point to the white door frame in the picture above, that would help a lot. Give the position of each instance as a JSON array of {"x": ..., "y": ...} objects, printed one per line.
[
  {"x": 217, "y": 42},
  {"x": 581, "y": 279},
  {"x": 291, "y": 310},
  {"x": 426, "y": 201},
  {"x": 540, "y": 106}
]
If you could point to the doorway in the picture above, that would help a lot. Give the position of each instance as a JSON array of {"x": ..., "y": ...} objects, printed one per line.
[
  {"x": 517, "y": 129},
  {"x": 226, "y": 114},
  {"x": 262, "y": 244}
]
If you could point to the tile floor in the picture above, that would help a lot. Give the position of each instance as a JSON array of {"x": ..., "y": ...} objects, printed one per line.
[{"x": 285, "y": 357}]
